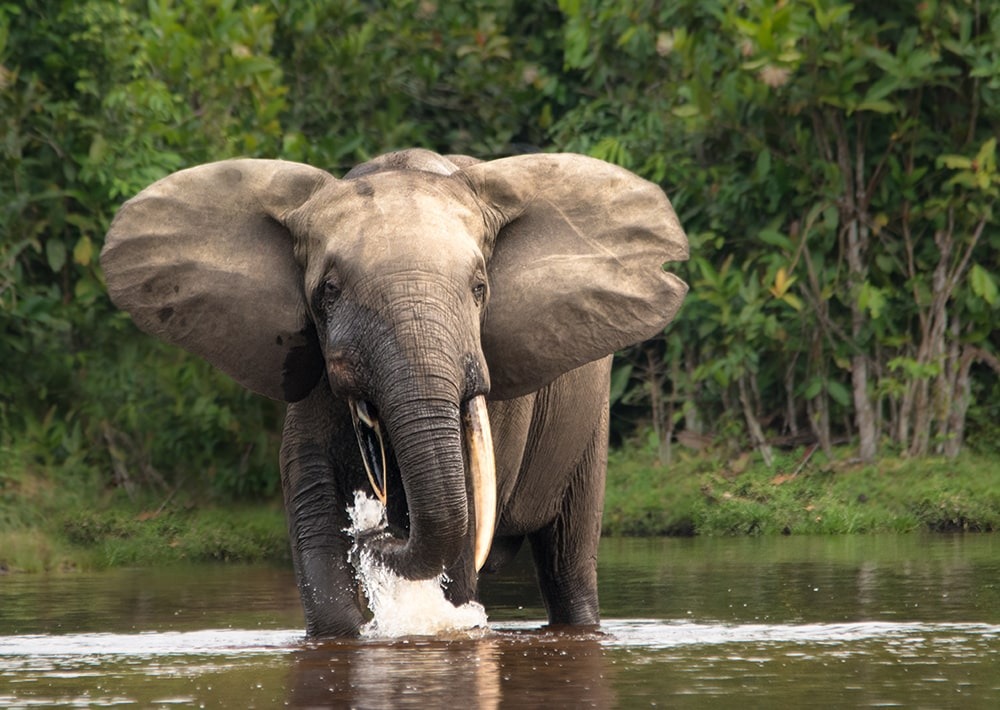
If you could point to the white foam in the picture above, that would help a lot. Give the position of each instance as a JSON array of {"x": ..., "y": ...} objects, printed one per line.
[{"x": 403, "y": 607}]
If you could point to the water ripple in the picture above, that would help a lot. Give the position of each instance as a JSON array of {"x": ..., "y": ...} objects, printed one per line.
[
  {"x": 650, "y": 634},
  {"x": 151, "y": 644},
  {"x": 658, "y": 634}
]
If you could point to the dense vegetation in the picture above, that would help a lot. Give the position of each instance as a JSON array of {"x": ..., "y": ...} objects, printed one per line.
[{"x": 834, "y": 165}]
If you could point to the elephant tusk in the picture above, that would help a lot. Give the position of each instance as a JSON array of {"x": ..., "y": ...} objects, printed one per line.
[
  {"x": 482, "y": 471},
  {"x": 369, "y": 433}
]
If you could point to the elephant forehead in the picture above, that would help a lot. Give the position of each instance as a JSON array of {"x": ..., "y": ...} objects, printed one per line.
[{"x": 379, "y": 219}]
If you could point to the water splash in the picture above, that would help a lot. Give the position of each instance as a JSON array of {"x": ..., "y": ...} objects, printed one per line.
[{"x": 403, "y": 607}]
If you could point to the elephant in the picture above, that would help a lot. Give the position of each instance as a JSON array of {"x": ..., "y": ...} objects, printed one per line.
[{"x": 441, "y": 329}]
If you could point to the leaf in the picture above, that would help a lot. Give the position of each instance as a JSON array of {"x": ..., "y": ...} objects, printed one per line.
[
  {"x": 763, "y": 167},
  {"x": 872, "y": 299},
  {"x": 986, "y": 158},
  {"x": 570, "y": 8},
  {"x": 686, "y": 111},
  {"x": 55, "y": 253},
  {"x": 87, "y": 290},
  {"x": 83, "y": 252},
  {"x": 881, "y": 106},
  {"x": 826, "y": 19},
  {"x": 81, "y": 221},
  {"x": 838, "y": 393},
  {"x": 98, "y": 149},
  {"x": 775, "y": 238},
  {"x": 794, "y": 301},
  {"x": 983, "y": 284},
  {"x": 627, "y": 36},
  {"x": 619, "y": 381},
  {"x": 955, "y": 162},
  {"x": 755, "y": 64},
  {"x": 782, "y": 282}
]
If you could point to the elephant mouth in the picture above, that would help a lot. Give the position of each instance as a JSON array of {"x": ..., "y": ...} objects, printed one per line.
[
  {"x": 368, "y": 430},
  {"x": 479, "y": 458}
]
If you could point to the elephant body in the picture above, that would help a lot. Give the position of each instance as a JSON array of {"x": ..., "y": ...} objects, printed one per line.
[
  {"x": 551, "y": 456},
  {"x": 442, "y": 330}
]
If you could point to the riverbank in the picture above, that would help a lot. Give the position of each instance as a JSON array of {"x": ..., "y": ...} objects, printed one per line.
[
  {"x": 60, "y": 522},
  {"x": 804, "y": 493}
]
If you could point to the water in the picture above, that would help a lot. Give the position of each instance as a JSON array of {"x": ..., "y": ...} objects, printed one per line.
[
  {"x": 402, "y": 607},
  {"x": 789, "y": 622}
]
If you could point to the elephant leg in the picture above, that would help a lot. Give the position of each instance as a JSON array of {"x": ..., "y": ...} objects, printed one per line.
[
  {"x": 565, "y": 551},
  {"x": 313, "y": 450}
]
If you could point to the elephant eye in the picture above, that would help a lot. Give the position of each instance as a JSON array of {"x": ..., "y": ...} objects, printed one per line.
[
  {"x": 326, "y": 296},
  {"x": 479, "y": 293}
]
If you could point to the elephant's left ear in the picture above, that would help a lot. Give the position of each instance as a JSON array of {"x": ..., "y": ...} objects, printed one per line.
[{"x": 576, "y": 270}]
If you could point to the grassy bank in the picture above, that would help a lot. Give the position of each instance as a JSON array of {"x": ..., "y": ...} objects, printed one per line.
[
  {"x": 51, "y": 521},
  {"x": 67, "y": 520},
  {"x": 803, "y": 493},
  {"x": 125, "y": 535}
]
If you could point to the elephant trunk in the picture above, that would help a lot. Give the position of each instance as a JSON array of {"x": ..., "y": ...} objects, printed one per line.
[
  {"x": 427, "y": 381},
  {"x": 426, "y": 435}
]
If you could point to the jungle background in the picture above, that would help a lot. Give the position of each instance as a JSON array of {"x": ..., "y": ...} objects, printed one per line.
[{"x": 834, "y": 165}]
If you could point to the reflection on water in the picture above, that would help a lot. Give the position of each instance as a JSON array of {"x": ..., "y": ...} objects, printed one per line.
[
  {"x": 821, "y": 622},
  {"x": 526, "y": 669},
  {"x": 633, "y": 661}
]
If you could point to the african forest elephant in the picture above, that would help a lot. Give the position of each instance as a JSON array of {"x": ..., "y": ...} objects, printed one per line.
[{"x": 419, "y": 315}]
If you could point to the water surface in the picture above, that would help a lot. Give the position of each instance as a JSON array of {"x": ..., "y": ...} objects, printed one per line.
[{"x": 908, "y": 621}]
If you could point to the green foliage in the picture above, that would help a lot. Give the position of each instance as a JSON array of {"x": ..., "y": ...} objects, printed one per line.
[
  {"x": 98, "y": 100},
  {"x": 454, "y": 77},
  {"x": 834, "y": 165}
]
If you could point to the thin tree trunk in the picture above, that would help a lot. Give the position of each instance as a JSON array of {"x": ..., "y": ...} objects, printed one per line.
[
  {"x": 654, "y": 381},
  {"x": 692, "y": 416},
  {"x": 753, "y": 424},
  {"x": 905, "y": 413},
  {"x": 791, "y": 417},
  {"x": 854, "y": 220},
  {"x": 667, "y": 443},
  {"x": 946, "y": 387},
  {"x": 819, "y": 421},
  {"x": 818, "y": 407},
  {"x": 933, "y": 349},
  {"x": 960, "y": 403}
]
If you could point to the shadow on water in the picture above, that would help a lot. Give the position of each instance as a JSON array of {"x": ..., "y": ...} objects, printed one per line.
[{"x": 858, "y": 622}]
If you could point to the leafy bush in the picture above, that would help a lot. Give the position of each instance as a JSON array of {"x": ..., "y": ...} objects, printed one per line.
[{"x": 833, "y": 163}]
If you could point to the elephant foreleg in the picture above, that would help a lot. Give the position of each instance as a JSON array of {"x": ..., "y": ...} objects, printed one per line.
[{"x": 315, "y": 508}]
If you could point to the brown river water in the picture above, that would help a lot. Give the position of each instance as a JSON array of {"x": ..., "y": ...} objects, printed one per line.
[{"x": 908, "y": 621}]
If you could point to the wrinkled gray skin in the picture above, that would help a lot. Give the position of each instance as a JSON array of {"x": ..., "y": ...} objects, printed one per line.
[{"x": 415, "y": 284}]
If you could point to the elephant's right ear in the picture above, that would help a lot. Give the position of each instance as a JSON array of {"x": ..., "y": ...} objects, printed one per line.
[{"x": 202, "y": 259}]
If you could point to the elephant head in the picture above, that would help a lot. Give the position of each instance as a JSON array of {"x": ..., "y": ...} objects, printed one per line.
[{"x": 414, "y": 287}]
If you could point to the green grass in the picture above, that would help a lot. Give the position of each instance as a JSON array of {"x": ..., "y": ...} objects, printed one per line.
[
  {"x": 57, "y": 519},
  {"x": 122, "y": 535},
  {"x": 801, "y": 494},
  {"x": 125, "y": 537},
  {"x": 64, "y": 519},
  {"x": 30, "y": 550}
]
